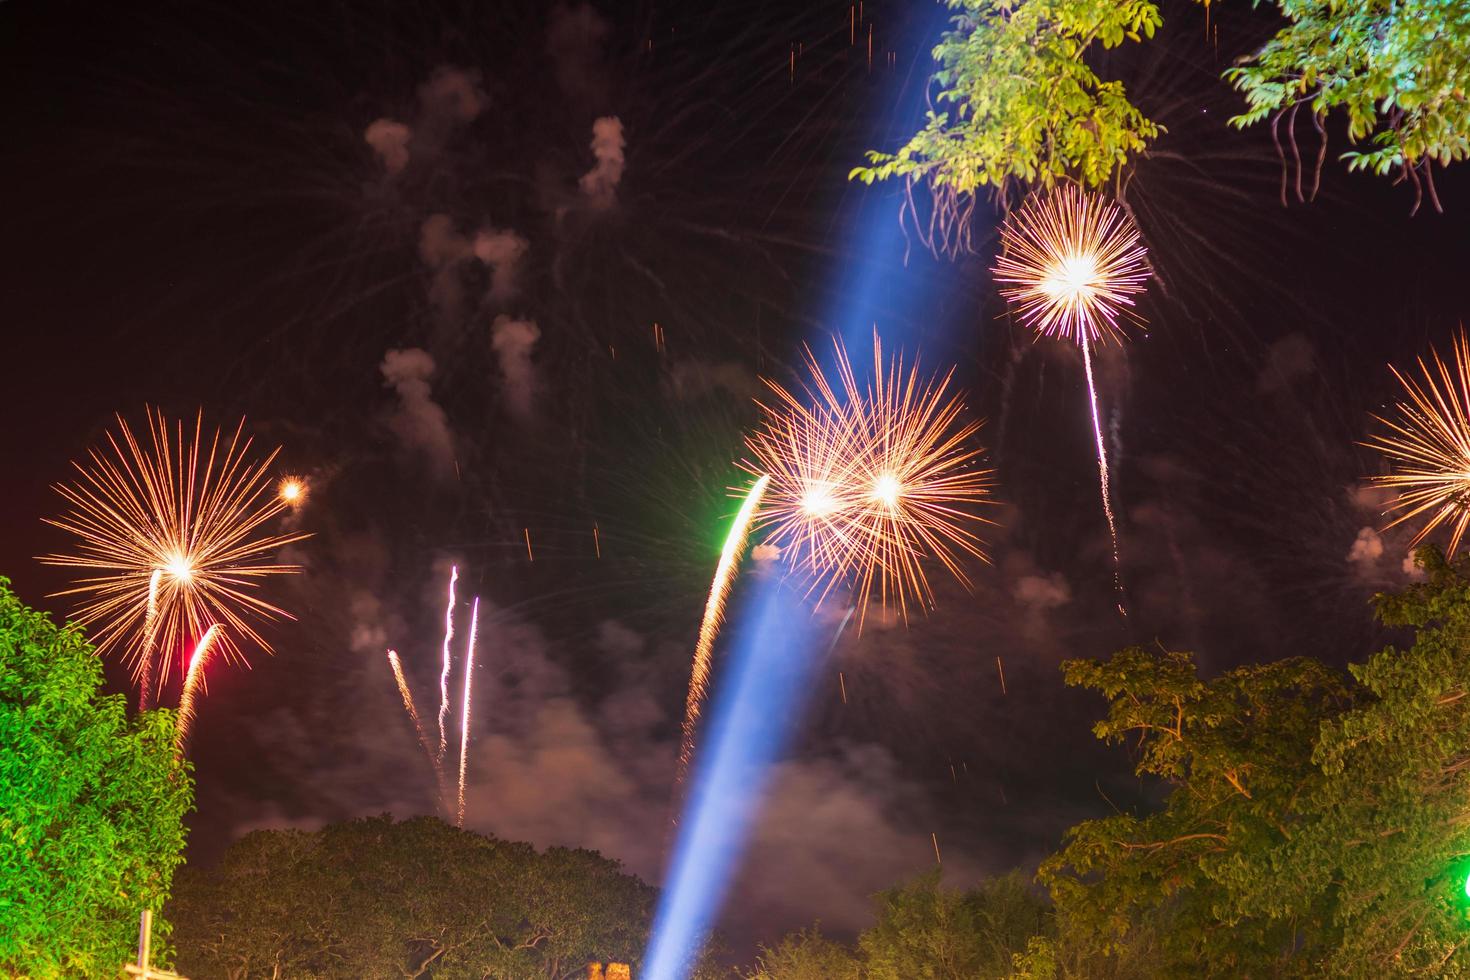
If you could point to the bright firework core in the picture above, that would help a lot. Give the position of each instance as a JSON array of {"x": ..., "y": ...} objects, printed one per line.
[
  {"x": 887, "y": 490},
  {"x": 1072, "y": 279},
  {"x": 180, "y": 568},
  {"x": 292, "y": 490}
]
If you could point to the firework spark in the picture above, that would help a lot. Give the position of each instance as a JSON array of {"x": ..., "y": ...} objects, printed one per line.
[
  {"x": 714, "y": 612},
  {"x": 1071, "y": 262},
  {"x": 1428, "y": 445},
  {"x": 413, "y": 714},
  {"x": 868, "y": 482},
  {"x": 444, "y": 671},
  {"x": 193, "y": 682},
  {"x": 464, "y": 715},
  {"x": 169, "y": 527}
]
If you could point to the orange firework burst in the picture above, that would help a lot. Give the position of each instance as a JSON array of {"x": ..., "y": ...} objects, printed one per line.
[
  {"x": 869, "y": 482},
  {"x": 1072, "y": 263},
  {"x": 171, "y": 530},
  {"x": 1428, "y": 444}
]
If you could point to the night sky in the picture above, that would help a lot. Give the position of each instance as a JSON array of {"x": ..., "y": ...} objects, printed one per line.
[{"x": 195, "y": 217}]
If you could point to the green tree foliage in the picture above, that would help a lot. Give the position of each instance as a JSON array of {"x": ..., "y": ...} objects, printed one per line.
[
  {"x": 91, "y": 805},
  {"x": 1019, "y": 102},
  {"x": 1316, "y": 823},
  {"x": 923, "y": 931},
  {"x": 377, "y": 899}
]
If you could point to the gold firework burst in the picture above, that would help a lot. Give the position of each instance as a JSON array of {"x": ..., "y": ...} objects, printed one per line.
[
  {"x": 1072, "y": 263},
  {"x": 170, "y": 530},
  {"x": 1427, "y": 444},
  {"x": 870, "y": 482}
]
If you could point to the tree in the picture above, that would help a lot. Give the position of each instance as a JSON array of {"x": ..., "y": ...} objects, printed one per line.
[
  {"x": 1019, "y": 103},
  {"x": 924, "y": 931},
  {"x": 1315, "y": 822},
  {"x": 91, "y": 805},
  {"x": 374, "y": 898},
  {"x": 806, "y": 955}
]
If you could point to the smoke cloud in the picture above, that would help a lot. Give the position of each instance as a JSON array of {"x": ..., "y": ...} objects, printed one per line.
[
  {"x": 501, "y": 251},
  {"x": 389, "y": 139},
  {"x": 600, "y": 184},
  {"x": 574, "y": 42},
  {"x": 419, "y": 423},
  {"x": 512, "y": 341},
  {"x": 1039, "y": 593},
  {"x": 452, "y": 95}
]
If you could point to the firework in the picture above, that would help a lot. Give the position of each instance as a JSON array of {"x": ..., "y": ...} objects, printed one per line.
[
  {"x": 292, "y": 491},
  {"x": 869, "y": 482},
  {"x": 464, "y": 715},
  {"x": 1428, "y": 444},
  {"x": 714, "y": 611},
  {"x": 444, "y": 670},
  {"x": 413, "y": 714},
  {"x": 193, "y": 682},
  {"x": 1071, "y": 262},
  {"x": 169, "y": 529}
]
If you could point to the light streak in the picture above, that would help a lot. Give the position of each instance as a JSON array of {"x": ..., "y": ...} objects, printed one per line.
[
  {"x": 1102, "y": 476},
  {"x": 444, "y": 672},
  {"x": 413, "y": 714},
  {"x": 150, "y": 620},
  {"x": 193, "y": 681},
  {"x": 168, "y": 533},
  {"x": 464, "y": 715},
  {"x": 714, "y": 611}
]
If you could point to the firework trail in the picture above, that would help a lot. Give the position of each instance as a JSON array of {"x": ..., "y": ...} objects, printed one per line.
[
  {"x": 444, "y": 673},
  {"x": 193, "y": 680},
  {"x": 1102, "y": 475},
  {"x": 714, "y": 612},
  {"x": 1428, "y": 443},
  {"x": 183, "y": 511},
  {"x": 150, "y": 618},
  {"x": 418, "y": 725},
  {"x": 464, "y": 716},
  {"x": 870, "y": 481},
  {"x": 1072, "y": 264}
]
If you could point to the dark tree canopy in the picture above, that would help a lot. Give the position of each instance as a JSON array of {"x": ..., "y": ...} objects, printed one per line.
[
  {"x": 373, "y": 898},
  {"x": 91, "y": 805},
  {"x": 1316, "y": 822}
]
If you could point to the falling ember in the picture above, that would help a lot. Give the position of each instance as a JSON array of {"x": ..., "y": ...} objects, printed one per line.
[
  {"x": 935, "y": 838},
  {"x": 1428, "y": 444},
  {"x": 168, "y": 539},
  {"x": 529, "y": 555},
  {"x": 714, "y": 611},
  {"x": 464, "y": 713},
  {"x": 842, "y": 686},
  {"x": 413, "y": 714},
  {"x": 1001, "y": 670},
  {"x": 596, "y": 541},
  {"x": 444, "y": 671},
  {"x": 193, "y": 681}
]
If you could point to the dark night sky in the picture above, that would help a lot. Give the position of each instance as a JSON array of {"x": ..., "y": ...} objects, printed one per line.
[{"x": 192, "y": 217}]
